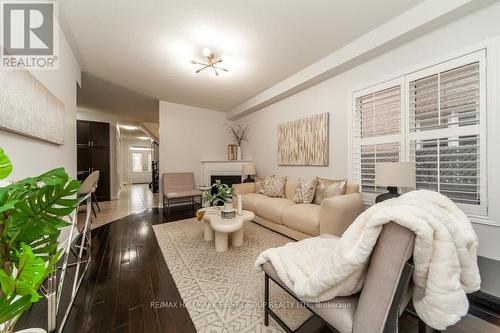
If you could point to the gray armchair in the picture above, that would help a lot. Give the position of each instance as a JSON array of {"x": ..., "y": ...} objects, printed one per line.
[{"x": 385, "y": 294}]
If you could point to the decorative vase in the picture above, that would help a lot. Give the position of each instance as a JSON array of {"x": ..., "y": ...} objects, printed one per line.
[
  {"x": 228, "y": 205},
  {"x": 238, "y": 153}
]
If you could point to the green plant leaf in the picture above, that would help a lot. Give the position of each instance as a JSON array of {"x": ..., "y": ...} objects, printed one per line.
[
  {"x": 7, "y": 282},
  {"x": 11, "y": 307},
  {"x": 8, "y": 205},
  {"x": 41, "y": 212},
  {"x": 30, "y": 267},
  {"x": 5, "y": 165}
]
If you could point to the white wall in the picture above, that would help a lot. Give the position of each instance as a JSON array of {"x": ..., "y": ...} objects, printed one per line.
[
  {"x": 113, "y": 152},
  {"x": 31, "y": 156},
  {"x": 334, "y": 96},
  {"x": 189, "y": 135}
]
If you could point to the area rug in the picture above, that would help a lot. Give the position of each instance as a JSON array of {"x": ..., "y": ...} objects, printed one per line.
[{"x": 221, "y": 291}]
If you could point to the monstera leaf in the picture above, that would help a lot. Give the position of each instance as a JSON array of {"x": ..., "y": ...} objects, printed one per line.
[
  {"x": 5, "y": 165},
  {"x": 39, "y": 213},
  {"x": 22, "y": 290},
  {"x": 32, "y": 213}
]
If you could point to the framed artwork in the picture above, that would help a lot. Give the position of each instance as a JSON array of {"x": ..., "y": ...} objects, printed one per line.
[
  {"x": 304, "y": 141},
  {"x": 28, "y": 108}
]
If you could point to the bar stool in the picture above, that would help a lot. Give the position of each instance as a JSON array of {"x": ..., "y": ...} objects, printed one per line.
[{"x": 89, "y": 185}]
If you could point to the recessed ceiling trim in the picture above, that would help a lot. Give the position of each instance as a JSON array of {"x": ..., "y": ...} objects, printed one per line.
[{"x": 387, "y": 36}]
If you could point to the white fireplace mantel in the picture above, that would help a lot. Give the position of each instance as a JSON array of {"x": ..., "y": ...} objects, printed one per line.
[{"x": 221, "y": 167}]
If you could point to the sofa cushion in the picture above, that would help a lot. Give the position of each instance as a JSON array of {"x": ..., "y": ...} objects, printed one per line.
[
  {"x": 249, "y": 201},
  {"x": 291, "y": 186},
  {"x": 272, "y": 208},
  {"x": 303, "y": 218}
]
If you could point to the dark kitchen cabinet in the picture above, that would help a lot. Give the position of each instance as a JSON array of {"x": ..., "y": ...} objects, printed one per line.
[{"x": 93, "y": 154}]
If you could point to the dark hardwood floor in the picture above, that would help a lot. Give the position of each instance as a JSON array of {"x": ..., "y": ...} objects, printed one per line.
[{"x": 128, "y": 274}]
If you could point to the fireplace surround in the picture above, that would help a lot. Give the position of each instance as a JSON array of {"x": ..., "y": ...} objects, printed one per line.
[{"x": 228, "y": 171}]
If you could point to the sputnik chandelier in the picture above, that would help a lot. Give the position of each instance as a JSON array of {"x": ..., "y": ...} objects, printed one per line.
[{"x": 212, "y": 63}]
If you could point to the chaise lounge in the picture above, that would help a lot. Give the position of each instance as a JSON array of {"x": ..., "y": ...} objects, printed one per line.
[{"x": 382, "y": 300}]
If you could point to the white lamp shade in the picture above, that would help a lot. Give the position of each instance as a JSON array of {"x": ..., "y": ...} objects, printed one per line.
[
  {"x": 249, "y": 169},
  {"x": 398, "y": 174}
]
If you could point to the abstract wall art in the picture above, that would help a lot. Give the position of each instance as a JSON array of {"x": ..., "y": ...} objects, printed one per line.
[
  {"x": 304, "y": 141},
  {"x": 28, "y": 108}
]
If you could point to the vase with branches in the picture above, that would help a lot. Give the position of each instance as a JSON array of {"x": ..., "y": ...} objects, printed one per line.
[
  {"x": 32, "y": 214},
  {"x": 239, "y": 134}
]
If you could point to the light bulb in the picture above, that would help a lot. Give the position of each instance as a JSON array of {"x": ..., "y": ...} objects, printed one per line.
[{"x": 206, "y": 52}]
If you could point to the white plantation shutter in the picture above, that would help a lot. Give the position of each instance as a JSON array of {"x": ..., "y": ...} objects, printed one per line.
[
  {"x": 377, "y": 128},
  {"x": 379, "y": 113},
  {"x": 449, "y": 166},
  {"x": 440, "y": 125},
  {"x": 449, "y": 98},
  {"x": 444, "y": 115},
  {"x": 371, "y": 154}
]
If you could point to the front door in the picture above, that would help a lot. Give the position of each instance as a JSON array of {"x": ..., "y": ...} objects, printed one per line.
[{"x": 140, "y": 166}]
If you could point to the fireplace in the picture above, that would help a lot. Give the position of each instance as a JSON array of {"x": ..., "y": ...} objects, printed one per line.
[
  {"x": 229, "y": 172},
  {"x": 229, "y": 180}
]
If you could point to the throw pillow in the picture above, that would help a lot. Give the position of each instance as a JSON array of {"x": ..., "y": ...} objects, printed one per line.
[
  {"x": 258, "y": 184},
  {"x": 274, "y": 186},
  {"x": 327, "y": 188},
  {"x": 304, "y": 192}
]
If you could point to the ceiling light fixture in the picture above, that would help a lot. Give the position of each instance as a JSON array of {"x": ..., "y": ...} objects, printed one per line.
[{"x": 212, "y": 63}]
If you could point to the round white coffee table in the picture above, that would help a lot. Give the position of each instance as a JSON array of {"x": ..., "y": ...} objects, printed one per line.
[
  {"x": 219, "y": 229},
  {"x": 222, "y": 228},
  {"x": 208, "y": 233}
]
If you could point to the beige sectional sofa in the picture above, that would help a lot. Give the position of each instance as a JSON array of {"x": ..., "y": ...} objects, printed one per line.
[{"x": 300, "y": 221}]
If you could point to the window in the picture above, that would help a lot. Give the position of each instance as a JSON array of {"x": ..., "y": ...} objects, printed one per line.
[
  {"x": 438, "y": 126},
  {"x": 377, "y": 131},
  {"x": 136, "y": 162}
]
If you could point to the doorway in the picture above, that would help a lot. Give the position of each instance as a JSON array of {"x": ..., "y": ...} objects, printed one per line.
[{"x": 140, "y": 165}]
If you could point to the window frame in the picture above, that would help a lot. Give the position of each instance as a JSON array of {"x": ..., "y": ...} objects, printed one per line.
[{"x": 405, "y": 136}]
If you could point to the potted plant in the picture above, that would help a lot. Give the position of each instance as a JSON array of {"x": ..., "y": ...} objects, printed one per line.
[
  {"x": 239, "y": 133},
  {"x": 222, "y": 194},
  {"x": 31, "y": 217}
]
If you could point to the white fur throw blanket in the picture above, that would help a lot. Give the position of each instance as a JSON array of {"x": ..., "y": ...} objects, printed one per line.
[{"x": 444, "y": 255}]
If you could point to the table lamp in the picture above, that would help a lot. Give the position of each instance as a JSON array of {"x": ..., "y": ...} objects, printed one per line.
[
  {"x": 394, "y": 175},
  {"x": 248, "y": 170}
]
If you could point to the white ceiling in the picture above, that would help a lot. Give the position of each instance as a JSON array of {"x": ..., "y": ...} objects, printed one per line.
[
  {"x": 100, "y": 95},
  {"x": 147, "y": 45}
]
